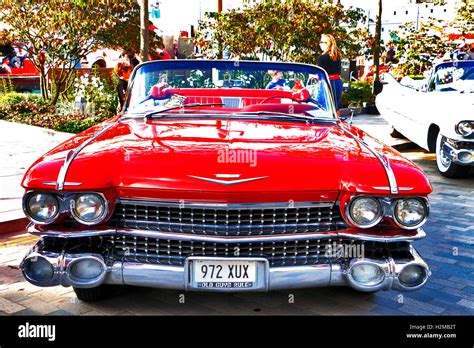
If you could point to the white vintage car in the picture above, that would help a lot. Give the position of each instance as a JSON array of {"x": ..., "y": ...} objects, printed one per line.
[{"x": 437, "y": 114}]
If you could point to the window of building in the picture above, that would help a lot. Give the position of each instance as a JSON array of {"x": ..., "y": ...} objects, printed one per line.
[
  {"x": 431, "y": 10},
  {"x": 406, "y": 12},
  {"x": 394, "y": 13}
]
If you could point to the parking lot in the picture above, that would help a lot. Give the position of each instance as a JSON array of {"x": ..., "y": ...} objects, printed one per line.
[{"x": 448, "y": 249}]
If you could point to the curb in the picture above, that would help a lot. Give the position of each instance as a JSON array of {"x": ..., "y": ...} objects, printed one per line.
[{"x": 14, "y": 226}]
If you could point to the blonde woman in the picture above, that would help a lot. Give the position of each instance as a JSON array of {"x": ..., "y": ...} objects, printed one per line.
[{"x": 330, "y": 60}]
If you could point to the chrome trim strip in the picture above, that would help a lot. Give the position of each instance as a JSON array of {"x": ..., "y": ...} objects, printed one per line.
[
  {"x": 222, "y": 239},
  {"x": 382, "y": 159},
  {"x": 184, "y": 204},
  {"x": 227, "y": 182},
  {"x": 53, "y": 183},
  {"x": 73, "y": 153},
  {"x": 387, "y": 188},
  {"x": 227, "y": 176}
]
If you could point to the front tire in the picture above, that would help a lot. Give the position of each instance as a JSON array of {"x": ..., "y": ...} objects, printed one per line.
[
  {"x": 445, "y": 166},
  {"x": 91, "y": 294}
]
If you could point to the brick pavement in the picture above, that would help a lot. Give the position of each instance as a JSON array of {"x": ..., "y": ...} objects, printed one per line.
[{"x": 448, "y": 249}]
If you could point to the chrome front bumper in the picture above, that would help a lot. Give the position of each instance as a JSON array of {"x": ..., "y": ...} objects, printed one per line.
[
  {"x": 456, "y": 155},
  {"x": 275, "y": 278}
]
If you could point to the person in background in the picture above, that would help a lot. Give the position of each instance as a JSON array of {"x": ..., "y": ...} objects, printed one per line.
[
  {"x": 470, "y": 53},
  {"x": 7, "y": 53},
  {"x": 330, "y": 60},
  {"x": 123, "y": 71},
  {"x": 161, "y": 53},
  {"x": 390, "y": 55},
  {"x": 277, "y": 82},
  {"x": 130, "y": 57}
]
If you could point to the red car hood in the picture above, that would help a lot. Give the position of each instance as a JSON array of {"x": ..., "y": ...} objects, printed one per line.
[{"x": 207, "y": 158}]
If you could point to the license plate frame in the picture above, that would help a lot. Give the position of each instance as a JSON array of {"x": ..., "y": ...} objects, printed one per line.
[{"x": 261, "y": 273}]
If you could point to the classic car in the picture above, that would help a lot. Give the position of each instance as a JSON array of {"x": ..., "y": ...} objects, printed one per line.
[
  {"x": 22, "y": 75},
  {"x": 207, "y": 181},
  {"x": 437, "y": 114}
]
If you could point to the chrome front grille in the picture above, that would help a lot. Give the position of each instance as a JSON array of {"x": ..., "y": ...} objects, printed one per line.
[
  {"x": 231, "y": 220},
  {"x": 465, "y": 145},
  {"x": 279, "y": 253}
]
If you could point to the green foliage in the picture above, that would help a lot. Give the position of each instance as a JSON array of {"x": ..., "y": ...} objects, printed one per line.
[
  {"x": 465, "y": 12},
  {"x": 417, "y": 77},
  {"x": 6, "y": 86},
  {"x": 31, "y": 109},
  {"x": 281, "y": 30},
  {"x": 416, "y": 47},
  {"x": 79, "y": 125},
  {"x": 359, "y": 93},
  {"x": 59, "y": 33}
]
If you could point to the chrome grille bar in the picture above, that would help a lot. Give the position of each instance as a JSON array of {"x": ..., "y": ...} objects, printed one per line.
[{"x": 228, "y": 220}]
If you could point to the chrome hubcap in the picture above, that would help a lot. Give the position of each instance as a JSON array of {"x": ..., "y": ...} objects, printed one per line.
[{"x": 445, "y": 161}]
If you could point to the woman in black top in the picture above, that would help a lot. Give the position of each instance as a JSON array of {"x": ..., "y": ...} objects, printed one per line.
[
  {"x": 330, "y": 61},
  {"x": 123, "y": 71}
]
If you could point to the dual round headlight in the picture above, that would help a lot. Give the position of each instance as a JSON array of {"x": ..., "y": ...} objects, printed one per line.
[
  {"x": 465, "y": 128},
  {"x": 89, "y": 208},
  {"x": 366, "y": 212},
  {"x": 410, "y": 213},
  {"x": 44, "y": 208}
]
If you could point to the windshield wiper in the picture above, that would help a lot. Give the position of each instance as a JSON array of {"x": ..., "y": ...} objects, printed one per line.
[{"x": 153, "y": 114}]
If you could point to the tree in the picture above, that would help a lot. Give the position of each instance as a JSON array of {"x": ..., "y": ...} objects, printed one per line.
[
  {"x": 58, "y": 34},
  {"x": 280, "y": 30},
  {"x": 465, "y": 12},
  {"x": 378, "y": 32},
  {"x": 144, "y": 31},
  {"x": 416, "y": 48}
]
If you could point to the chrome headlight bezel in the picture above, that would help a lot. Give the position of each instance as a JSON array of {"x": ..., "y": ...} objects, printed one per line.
[
  {"x": 27, "y": 209},
  {"x": 460, "y": 127},
  {"x": 425, "y": 205},
  {"x": 379, "y": 216},
  {"x": 99, "y": 219}
]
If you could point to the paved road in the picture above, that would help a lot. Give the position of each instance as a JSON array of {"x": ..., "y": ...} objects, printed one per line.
[
  {"x": 20, "y": 146},
  {"x": 449, "y": 250}
]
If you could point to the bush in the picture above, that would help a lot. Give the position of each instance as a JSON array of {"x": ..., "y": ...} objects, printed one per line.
[
  {"x": 359, "y": 93},
  {"x": 31, "y": 109},
  {"x": 417, "y": 77}
]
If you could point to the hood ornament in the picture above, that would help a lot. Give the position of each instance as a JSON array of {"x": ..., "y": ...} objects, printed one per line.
[{"x": 227, "y": 176}]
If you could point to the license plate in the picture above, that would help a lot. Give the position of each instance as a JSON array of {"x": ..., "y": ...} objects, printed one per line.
[{"x": 224, "y": 274}]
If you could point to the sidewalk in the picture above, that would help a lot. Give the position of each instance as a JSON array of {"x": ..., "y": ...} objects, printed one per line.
[{"x": 20, "y": 146}]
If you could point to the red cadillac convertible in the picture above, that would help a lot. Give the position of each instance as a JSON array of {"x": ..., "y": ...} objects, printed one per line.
[{"x": 225, "y": 176}]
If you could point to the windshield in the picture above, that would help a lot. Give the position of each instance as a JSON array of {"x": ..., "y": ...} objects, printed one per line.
[
  {"x": 454, "y": 76},
  {"x": 230, "y": 87}
]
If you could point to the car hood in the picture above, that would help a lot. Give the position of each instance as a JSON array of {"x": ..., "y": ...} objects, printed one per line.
[{"x": 228, "y": 158}]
